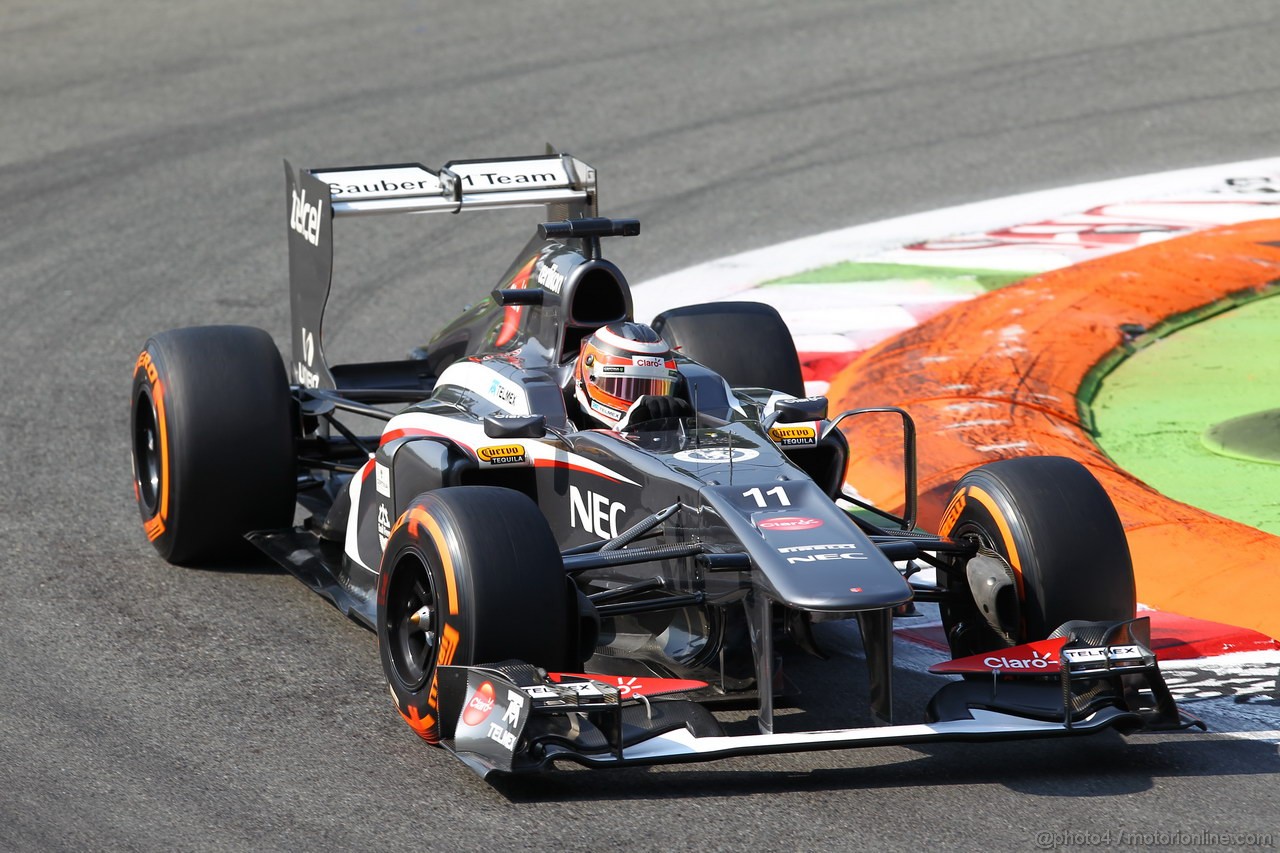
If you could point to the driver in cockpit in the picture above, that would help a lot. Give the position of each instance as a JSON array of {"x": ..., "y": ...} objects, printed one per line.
[{"x": 626, "y": 374}]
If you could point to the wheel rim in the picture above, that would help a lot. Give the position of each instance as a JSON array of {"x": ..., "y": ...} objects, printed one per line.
[
  {"x": 412, "y": 621},
  {"x": 977, "y": 636},
  {"x": 146, "y": 453}
]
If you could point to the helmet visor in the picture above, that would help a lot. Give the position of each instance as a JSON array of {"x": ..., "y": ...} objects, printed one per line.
[{"x": 632, "y": 388}]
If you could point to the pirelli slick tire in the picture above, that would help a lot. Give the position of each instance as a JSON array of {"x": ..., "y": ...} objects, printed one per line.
[
  {"x": 1057, "y": 530},
  {"x": 470, "y": 574},
  {"x": 211, "y": 429},
  {"x": 745, "y": 342}
]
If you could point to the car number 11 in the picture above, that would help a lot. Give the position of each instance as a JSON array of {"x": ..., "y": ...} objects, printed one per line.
[{"x": 762, "y": 498}]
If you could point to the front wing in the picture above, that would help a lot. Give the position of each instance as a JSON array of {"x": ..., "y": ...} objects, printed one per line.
[{"x": 514, "y": 718}]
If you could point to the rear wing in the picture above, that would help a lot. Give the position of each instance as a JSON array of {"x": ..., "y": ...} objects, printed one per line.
[{"x": 315, "y": 197}]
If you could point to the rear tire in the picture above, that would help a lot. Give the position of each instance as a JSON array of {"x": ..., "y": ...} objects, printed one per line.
[
  {"x": 1056, "y": 528},
  {"x": 470, "y": 574},
  {"x": 745, "y": 342},
  {"x": 212, "y": 436}
]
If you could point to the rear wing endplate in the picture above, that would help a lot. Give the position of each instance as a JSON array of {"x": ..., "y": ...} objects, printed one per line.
[{"x": 315, "y": 197}]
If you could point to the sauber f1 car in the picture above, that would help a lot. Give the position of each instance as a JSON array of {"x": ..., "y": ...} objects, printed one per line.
[{"x": 553, "y": 579}]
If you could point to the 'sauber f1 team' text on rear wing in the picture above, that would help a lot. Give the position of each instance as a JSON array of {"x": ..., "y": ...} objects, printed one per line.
[{"x": 315, "y": 197}]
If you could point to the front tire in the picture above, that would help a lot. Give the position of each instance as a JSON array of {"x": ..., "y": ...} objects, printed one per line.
[
  {"x": 1058, "y": 532},
  {"x": 470, "y": 574},
  {"x": 212, "y": 435}
]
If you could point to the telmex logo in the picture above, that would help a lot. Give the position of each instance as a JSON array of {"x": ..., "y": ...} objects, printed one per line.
[
  {"x": 480, "y": 705},
  {"x": 500, "y": 454},
  {"x": 503, "y": 392}
]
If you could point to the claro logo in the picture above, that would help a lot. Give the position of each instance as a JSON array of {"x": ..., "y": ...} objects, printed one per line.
[
  {"x": 305, "y": 218},
  {"x": 788, "y": 523},
  {"x": 1036, "y": 661},
  {"x": 480, "y": 705}
]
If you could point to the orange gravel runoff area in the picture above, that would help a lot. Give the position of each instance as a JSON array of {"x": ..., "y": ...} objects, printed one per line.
[{"x": 1001, "y": 375}]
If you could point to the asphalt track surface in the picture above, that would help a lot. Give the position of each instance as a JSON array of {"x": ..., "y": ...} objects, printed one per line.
[{"x": 153, "y": 708}]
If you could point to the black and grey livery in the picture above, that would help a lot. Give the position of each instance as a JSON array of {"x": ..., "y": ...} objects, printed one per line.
[{"x": 490, "y": 537}]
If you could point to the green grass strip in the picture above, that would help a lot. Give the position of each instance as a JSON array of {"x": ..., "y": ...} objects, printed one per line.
[
  {"x": 1220, "y": 376},
  {"x": 855, "y": 271}
]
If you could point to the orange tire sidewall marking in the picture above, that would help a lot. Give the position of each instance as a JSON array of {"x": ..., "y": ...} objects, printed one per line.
[
  {"x": 155, "y": 526},
  {"x": 419, "y": 516},
  {"x": 989, "y": 503},
  {"x": 426, "y": 726},
  {"x": 158, "y": 390},
  {"x": 421, "y": 725},
  {"x": 951, "y": 516},
  {"x": 952, "y": 513},
  {"x": 415, "y": 520},
  {"x": 449, "y": 638}
]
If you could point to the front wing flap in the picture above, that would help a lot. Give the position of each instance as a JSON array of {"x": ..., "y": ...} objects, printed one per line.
[{"x": 514, "y": 718}]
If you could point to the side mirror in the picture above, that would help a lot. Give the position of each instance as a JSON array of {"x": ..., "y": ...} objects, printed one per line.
[
  {"x": 801, "y": 409},
  {"x": 515, "y": 426},
  {"x": 517, "y": 296}
]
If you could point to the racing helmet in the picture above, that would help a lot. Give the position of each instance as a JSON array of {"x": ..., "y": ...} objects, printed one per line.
[{"x": 617, "y": 365}]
